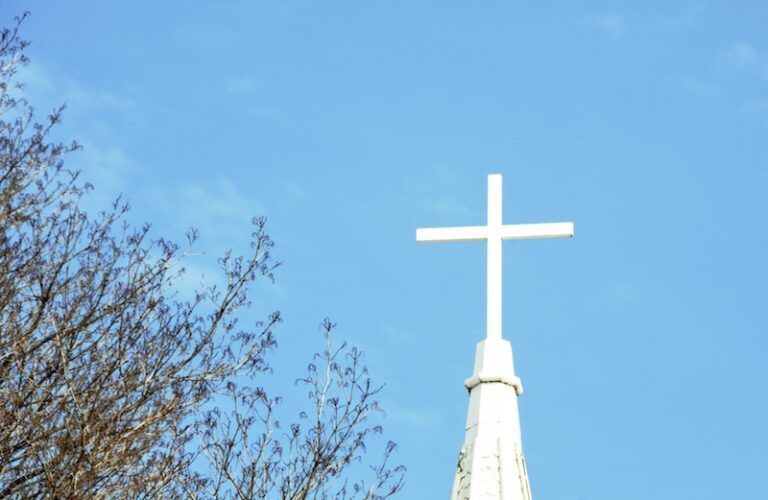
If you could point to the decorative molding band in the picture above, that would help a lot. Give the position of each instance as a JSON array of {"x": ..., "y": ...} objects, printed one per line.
[{"x": 484, "y": 377}]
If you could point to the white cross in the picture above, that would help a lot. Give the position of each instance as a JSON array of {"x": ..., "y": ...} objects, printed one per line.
[{"x": 493, "y": 233}]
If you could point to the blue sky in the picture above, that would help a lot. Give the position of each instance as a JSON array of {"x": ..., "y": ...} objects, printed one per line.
[{"x": 641, "y": 342}]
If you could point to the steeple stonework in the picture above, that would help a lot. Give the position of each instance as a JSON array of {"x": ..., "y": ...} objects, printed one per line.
[{"x": 491, "y": 463}]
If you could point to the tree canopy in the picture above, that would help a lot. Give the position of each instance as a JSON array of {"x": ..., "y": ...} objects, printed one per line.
[{"x": 111, "y": 385}]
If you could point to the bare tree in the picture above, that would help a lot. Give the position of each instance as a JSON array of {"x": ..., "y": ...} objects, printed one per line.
[
  {"x": 112, "y": 386},
  {"x": 253, "y": 458}
]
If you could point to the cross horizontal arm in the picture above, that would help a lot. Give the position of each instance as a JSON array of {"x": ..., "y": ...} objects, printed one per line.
[
  {"x": 528, "y": 231},
  {"x": 463, "y": 233},
  {"x": 508, "y": 232}
]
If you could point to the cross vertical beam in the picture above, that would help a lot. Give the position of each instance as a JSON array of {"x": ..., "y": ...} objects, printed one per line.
[{"x": 493, "y": 263}]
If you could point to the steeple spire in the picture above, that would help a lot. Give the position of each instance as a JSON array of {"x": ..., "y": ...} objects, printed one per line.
[{"x": 491, "y": 463}]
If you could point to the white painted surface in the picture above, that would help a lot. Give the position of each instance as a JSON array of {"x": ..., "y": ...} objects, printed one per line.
[
  {"x": 493, "y": 233},
  {"x": 491, "y": 463}
]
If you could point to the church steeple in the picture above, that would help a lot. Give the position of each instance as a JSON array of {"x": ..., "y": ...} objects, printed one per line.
[{"x": 491, "y": 463}]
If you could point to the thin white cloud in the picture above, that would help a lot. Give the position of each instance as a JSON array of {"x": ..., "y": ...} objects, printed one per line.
[
  {"x": 239, "y": 85},
  {"x": 107, "y": 169},
  {"x": 745, "y": 57},
  {"x": 216, "y": 207},
  {"x": 740, "y": 54},
  {"x": 220, "y": 212},
  {"x": 746, "y": 61},
  {"x": 694, "y": 85},
  {"x": 433, "y": 199},
  {"x": 683, "y": 16},
  {"x": 47, "y": 87},
  {"x": 448, "y": 208},
  {"x": 90, "y": 118},
  {"x": 217, "y": 199},
  {"x": 738, "y": 60},
  {"x": 446, "y": 176},
  {"x": 613, "y": 25},
  {"x": 201, "y": 270}
]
